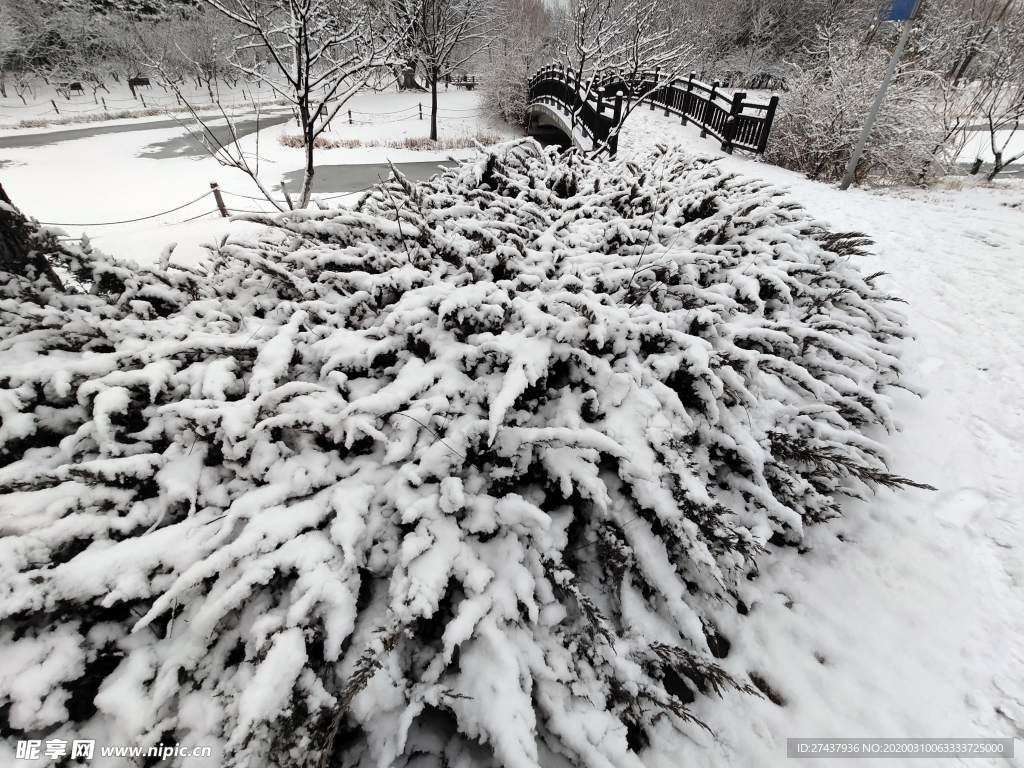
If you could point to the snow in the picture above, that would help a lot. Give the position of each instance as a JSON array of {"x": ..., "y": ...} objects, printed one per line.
[
  {"x": 904, "y": 617},
  {"x": 115, "y": 180},
  {"x": 918, "y": 613}
]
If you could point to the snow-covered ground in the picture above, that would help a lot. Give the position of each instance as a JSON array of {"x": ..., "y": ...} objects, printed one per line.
[
  {"x": 917, "y": 612},
  {"x": 911, "y": 623},
  {"x": 115, "y": 177}
]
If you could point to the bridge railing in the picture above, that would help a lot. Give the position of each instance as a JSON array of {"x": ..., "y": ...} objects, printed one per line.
[
  {"x": 733, "y": 120},
  {"x": 551, "y": 85}
]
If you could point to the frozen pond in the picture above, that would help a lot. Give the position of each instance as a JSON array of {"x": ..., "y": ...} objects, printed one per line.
[{"x": 355, "y": 178}]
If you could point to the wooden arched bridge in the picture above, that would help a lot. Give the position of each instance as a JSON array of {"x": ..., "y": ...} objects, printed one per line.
[{"x": 559, "y": 111}]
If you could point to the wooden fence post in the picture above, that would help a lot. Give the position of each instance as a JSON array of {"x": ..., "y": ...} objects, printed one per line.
[
  {"x": 729, "y": 134},
  {"x": 55, "y": 106},
  {"x": 766, "y": 126},
  {"x": 688, "y": 96},
  {"x": 350, "y": 117},
  {"x": 143, "y": 100},
  {"x": 219, "y": 199},
  {"x": 104, "y": 104},
  {"x": 421, "y": 110}
]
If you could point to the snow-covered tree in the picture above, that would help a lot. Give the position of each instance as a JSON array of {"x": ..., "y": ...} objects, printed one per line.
[
  {"x": 440, "y": 36},
  {"x": 458, "y": 471},
  {"x": 998, "y": 89},
  {"x": 320, "y": 52},
  {"x": 630, "y": 37}
]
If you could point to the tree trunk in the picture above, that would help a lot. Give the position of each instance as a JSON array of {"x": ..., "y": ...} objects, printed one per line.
[
  {"x": 433, "y": 103},
  {"x": 997, "y": 166},
  {"x": 307, "y": 177},
  {"x": 976, "y": 166}
]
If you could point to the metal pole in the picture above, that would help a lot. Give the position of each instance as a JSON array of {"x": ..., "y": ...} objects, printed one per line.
[{"x": 862, "y": 142}]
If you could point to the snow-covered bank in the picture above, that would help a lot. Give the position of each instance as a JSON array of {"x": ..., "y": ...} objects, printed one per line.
[
  {"x": 919, "y": 614},
  {"x": 121, "y": 176}
]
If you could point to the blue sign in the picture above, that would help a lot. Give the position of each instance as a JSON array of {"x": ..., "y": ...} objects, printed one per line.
[{"x": 897, "y": 10}]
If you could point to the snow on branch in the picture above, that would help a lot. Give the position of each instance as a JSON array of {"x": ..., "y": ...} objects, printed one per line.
[{"x": 474, "y": 457}]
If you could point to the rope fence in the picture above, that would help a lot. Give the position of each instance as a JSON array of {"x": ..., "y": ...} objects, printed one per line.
[
  {"x": 258, "y": 198},
  {"x": 125, "y": 221},
  {"x": 61, "y": 103},
  {"x": 73, "y": 109}
]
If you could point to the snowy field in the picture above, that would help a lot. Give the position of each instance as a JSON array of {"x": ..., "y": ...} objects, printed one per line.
[
  {"x": 905, "y": 618},
  {"x": 120, "y": 176}
]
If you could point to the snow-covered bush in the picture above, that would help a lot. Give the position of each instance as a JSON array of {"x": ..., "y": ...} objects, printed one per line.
[
  {"x": 456, "y": 471},
  {"x": 820, "y": 118}
]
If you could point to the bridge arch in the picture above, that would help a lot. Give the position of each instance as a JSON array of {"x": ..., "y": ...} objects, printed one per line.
[{"x": 549, "y": 125}]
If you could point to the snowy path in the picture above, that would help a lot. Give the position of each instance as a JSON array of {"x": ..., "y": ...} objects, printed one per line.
[{"x": 918, "y": 617}]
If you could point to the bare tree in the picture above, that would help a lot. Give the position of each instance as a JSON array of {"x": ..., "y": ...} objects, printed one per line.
[
  {"x": 320, "y": 53},
  {"x": 629, "y": 37},
  {"x": 441, "y": 36},
  {"x": 202, "y": 46},
  {"x": 129, "y": 42}
]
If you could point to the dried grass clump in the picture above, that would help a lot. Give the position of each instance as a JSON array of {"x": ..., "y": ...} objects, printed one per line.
[
  {"x": 419, "y": 143},
  {"x": 320, "y": 142}
]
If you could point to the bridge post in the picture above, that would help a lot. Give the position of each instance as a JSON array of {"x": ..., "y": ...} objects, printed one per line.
[
  {"x": 670, "y": 91},
  {"x": 766, "y": 126},
  {"x": 729, "y": 134},
  {"x": 600, "y": 99},
  {"x": 657, "y": 83},
  {"x": 688, "y": 96},
  {"x": 707, "y": 110}
]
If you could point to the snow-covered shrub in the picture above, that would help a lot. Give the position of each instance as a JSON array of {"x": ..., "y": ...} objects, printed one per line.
[
  {"x": 25, "y": 247},
  {"x": 820, "y": 118},
  {"x": 457, "y": 471}
]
